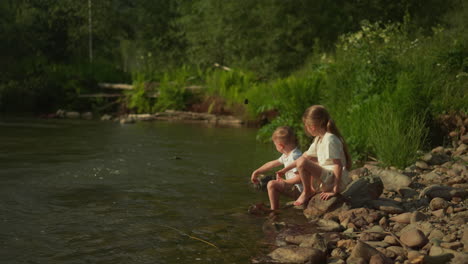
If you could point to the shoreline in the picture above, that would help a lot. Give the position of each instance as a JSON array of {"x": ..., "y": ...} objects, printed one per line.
[
  {"x": 385, "y": 215},
  {"x": 168, "y": 115}
]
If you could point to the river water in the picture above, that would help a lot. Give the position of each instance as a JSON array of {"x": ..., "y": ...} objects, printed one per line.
[{"x": 96, "y": 192}]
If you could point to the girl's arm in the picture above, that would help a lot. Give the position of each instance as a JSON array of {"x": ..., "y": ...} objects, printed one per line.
[
  {"x": 313, "y": 159},
  {"x": 337, "y": 171},
  {"x": 265, "y": 167},
  {"x": 293, "y": 165}
]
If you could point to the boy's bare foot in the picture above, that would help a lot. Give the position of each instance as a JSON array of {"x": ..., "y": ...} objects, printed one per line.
[
  {"x": 259, "y": 209},
  {"x": 303, "y": 199},
  {"x": 273, "y": 214}
]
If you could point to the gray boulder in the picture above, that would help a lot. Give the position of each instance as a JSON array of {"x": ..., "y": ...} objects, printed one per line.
[
  {"x": 318, "y": 207},
  {"x": 388, "y": 206},
  {"x": 358, "y": 192},
  {"x": 436, "y": 158},
  {"x": 442, "y": 191},
  {"x": 393, "y": 180},
  {"x": 365, "y": 252},
  {"x": 296, "y": 254}
]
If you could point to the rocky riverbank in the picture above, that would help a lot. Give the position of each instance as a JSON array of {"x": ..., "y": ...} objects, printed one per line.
[{"x": 415, "y": 215}]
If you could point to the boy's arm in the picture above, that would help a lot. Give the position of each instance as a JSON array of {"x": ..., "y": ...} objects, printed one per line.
[
  {"x": 291, "y": 166},
  {"x": 265, "y": 167}
]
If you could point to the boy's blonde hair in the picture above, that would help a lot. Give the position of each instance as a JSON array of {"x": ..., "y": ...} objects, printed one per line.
[{"x": 285, "y": 135}]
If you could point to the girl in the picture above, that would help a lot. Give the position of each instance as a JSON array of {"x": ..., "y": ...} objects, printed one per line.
[{"x": 324, "y": 167}]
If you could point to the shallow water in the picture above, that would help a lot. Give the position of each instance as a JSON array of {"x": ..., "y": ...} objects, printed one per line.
[{"x": 98, "y": 192}]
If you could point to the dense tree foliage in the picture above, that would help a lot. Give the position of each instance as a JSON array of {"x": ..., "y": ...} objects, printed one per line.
[
  {"x": 402, "y": 61},
  {"x": 45, "y": 48}
]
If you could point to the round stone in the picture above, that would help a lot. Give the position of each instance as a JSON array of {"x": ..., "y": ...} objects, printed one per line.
[
  {"x": 438, "y": 203},
  {"x": 413, "y": 238}
]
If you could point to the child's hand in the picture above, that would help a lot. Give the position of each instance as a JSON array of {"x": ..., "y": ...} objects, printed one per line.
[
  {"x": 326, "y": 195},
  {"x": 279, "y": 174},
  {"x": 253, "y": 178}
]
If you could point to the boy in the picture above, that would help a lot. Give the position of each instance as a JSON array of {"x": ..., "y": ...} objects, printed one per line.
[{"x": 286, "y": 143}]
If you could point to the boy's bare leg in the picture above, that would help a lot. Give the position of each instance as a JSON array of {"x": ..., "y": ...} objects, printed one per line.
[
  {"x": 273, "y": 194},
  {"x": 309, "y": 173},
  {"x": 276, "y": 188}
]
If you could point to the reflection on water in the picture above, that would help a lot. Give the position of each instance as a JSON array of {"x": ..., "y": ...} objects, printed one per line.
[{"x": 84, "y": 191}]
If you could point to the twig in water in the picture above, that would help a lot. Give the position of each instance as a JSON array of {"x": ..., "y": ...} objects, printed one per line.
[{"x": 192, "y": 237}]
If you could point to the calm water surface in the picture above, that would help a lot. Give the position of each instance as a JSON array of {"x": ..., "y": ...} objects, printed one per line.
[{"x": 98, "y": 192}]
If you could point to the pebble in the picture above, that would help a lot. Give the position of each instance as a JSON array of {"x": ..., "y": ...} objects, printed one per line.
[
  {"x": 413, "y": 238},
  {"x": 403, "y": 218},
  {"x": 449, "y": 238},
  {"x": 436, "y": 233},
  {"x": 383, "y": 221},
  {"x": 449, "y": 210},
  {"x": 439, "y": 213},
  {"x": 417, "y": 216},
  {"x": 413, "y": 254},
  {"x": 391, "y": 240},
  {"x": 338, "y": 253},
  {"x": 422, "y": 165},
  {"x": 452, "y": 245},
  {"x": 438, "y": 203},
  {"x": 407, "y": 192},
  {"x": 399, "y": 251}
]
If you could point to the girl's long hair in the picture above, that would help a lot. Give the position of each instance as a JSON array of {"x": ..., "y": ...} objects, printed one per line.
[{"x": 319, "y": 116}]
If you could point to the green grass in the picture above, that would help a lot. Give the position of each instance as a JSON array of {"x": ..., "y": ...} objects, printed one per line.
[
  {"x": 382, "y": 85},
  {"x": 396, "y": 138}
]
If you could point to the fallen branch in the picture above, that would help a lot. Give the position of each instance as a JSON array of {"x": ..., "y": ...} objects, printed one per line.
[
  {"x": 222, "y": 67},
  {"x": 192, "y": 237},
  {"x": 120, "y": 86},
  {"x": 100, "y": 95}
]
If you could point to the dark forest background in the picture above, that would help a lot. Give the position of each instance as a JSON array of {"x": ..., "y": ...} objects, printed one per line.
[{"x": 403, "y": 61}]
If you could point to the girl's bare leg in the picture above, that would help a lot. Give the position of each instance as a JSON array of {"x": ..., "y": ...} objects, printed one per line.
[{"x": 310, "y": 174}]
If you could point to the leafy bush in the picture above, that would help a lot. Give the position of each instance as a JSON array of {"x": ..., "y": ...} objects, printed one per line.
[
  {"x": 382, "y": 87},
  {"x": 138, "y": 97},
  {"x": 232, "y": 85},
  {"x": 290, "y": 97},
  {"x": 172, "y": 92}
]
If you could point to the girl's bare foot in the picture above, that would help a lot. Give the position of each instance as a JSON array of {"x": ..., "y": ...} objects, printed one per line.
[{"x": 303, "y": 199}]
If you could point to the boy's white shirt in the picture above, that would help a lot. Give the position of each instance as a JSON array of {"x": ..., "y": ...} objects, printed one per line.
[{"x": 288, "y": 159}]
